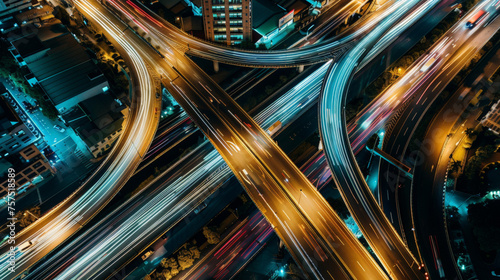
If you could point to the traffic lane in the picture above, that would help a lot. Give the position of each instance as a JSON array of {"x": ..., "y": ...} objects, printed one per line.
[
  {"x": 356, "y": 196},
  {"x": 108, "y": 254},
  {"x": 104, "y": 197},
  {"x": 375, "y": 226},
  {"x": 437, "y": 86},
  {"x": 278, "y": 201},
  {"x": 87, "y": 239},
  {"x": 341, "y": 159},
  {"x": 323, "y": 26},
  {"x": 461, "y": 34},
  {"x": 372, "y": 118},
  {"x": 47, "y": 218},
  {"x": 270, "y": 155},
  {"x": 172, "y": 34},
  {"x": 229, "y": 258},
  {"x": 399, "y": 47},
  {"x": 342, "y": 154},
  {"x": 157, "y": 208}
]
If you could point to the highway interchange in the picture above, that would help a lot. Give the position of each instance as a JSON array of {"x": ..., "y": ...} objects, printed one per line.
[{"x": 317, "y": 237}]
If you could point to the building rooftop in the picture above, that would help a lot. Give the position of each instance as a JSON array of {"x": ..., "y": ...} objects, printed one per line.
[
  {"x": 263, "y": 11},
  {"x": 38, "y": 12},
  {"x": 66, "y": 70},
  {"x": 95, "y": 118},
  {"x": 4, "y": 166},
  {"x": 7, "y": 24},
  {"x": 53, "y": 30},
  {"x": 28, "y": 45}
]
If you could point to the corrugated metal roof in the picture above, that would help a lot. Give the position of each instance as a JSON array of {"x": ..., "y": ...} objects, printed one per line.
[{"x": 63, "y": 72}]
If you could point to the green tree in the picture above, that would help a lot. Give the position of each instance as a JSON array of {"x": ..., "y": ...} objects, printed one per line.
[
  {"x": 185, "y": 258},
  {"x": 211, "y": 236},
  {"x": 159, "y": 275},
  {"x": 28, "y": 217},
  {"x": 195, "y": 251},
  {"x": 167, "y": 274},
  {"x": 485, "y": 152}
]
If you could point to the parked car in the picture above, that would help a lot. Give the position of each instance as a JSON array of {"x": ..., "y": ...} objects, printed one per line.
[
  {"x": 28, "y": 106},
  {"x": 148, "y": 253},
  {"x": 59, "y": 128}
]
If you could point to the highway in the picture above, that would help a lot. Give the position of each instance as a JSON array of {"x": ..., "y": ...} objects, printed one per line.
[
  {"x": 232, "y": 138},
  {"x": 309, "y": 97},
  {"x": 228, "y": 126},
  {"x": 378, "y": 231},
  {"x": 286, "y": 109},
  {"x": 67, "y": 217},
  {"x": 425, "y": 211},
  {"x": 223, "y": 133},
  {"x": 90, "y": 10},
  {"x": 139, "y": 16},
  {"x": 174, "y": 193},
  {"x": 239, "y": 247}
]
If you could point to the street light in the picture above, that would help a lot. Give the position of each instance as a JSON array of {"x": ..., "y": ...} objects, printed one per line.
[{"x": 182, "y": 23}]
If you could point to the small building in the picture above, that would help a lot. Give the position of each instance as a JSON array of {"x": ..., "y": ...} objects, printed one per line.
[
  {"x": 14, "y": 134},
  {"x": 492, "y": 119},
  {"x": 61, "y": 67},
  {"x": 97, "y": 121},
  {"x": 30, "y": 165}
]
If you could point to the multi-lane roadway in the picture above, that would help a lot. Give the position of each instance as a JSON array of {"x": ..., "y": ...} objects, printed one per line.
[
  {"x": 424, "y": 213},
  {"x": 378, "y": 231},
  {"x": 67, "y": 217}
]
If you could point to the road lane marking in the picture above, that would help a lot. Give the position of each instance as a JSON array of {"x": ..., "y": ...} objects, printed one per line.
[
  {"x": 435, "y": 87},
  {"x": 286, "y": 214},
  {"x": 361, "y": 266},
  {"x": 414, "y": 116}
]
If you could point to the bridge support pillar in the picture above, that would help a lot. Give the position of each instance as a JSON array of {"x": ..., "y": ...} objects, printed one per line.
[
  {"x": 300, "y": 68},
  {"x": 216, "y": 66}
]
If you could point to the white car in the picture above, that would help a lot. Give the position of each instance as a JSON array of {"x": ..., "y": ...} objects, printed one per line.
[{"x": 59, "y": 128}]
